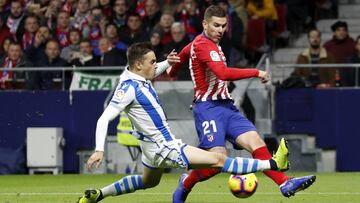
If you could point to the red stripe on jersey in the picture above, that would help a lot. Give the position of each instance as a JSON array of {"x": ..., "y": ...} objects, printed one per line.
[{"x": 208, "y": 69}]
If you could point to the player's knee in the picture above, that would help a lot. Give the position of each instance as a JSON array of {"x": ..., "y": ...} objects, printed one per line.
[
  {"x": 250, "y": 141},
  {"x": 220, "y": 160}
]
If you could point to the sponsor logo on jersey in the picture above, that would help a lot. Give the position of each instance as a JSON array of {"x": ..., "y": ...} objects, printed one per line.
[{"x": 214, "y": 56}]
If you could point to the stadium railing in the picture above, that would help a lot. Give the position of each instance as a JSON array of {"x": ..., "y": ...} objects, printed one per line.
[{"x": 283, "y": 67}]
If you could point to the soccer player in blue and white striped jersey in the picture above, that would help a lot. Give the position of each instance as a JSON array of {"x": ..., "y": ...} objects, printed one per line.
[{"x": 136, "y": 96}]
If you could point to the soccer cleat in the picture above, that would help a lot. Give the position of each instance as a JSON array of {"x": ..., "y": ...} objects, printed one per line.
[
  {"x": 281, "y": 156},
  {"x": 90, "y": 196},
  {"x": 293, "y": 185},
  {"x": 180, "y": 194}
]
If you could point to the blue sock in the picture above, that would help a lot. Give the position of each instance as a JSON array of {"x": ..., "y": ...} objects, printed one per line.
[{"x": 127, "y": 184}]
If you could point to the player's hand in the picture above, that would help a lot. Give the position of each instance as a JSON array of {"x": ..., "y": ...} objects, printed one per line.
[
  {"x": 95, "y": 158},
  {"x": 173, "y": 58},
  {"x": 264, "y": 76}
]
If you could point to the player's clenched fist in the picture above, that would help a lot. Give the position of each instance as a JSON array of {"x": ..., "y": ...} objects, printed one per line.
[{"x": 264, "y": 76}]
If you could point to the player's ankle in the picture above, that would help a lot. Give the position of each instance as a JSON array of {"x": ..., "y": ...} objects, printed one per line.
[{"x": 273, "y": 165}]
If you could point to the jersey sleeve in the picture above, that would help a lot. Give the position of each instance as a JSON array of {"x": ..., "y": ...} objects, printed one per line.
[
  {"x": 123, "y": 96},
  {"x": 184, "y": 57},
  {"x": 208, "y": 54}
]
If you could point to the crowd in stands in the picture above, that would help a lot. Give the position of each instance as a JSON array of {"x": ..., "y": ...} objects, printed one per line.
[
  {"x": 76, "y": 33},
  {"x": 341, "y": 49}
]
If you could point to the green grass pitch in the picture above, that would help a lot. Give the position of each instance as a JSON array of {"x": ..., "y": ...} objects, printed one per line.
[{"x": 329, "y": 187}]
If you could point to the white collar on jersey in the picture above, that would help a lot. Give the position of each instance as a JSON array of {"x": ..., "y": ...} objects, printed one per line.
[{"x": 134, "y": 76}]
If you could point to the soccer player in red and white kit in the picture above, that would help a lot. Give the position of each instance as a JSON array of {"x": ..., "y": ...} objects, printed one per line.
[{"x": 216, "y": 118}]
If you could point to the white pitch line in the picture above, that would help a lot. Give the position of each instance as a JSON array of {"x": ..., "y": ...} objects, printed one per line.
[{"x": 168, "y": 193}]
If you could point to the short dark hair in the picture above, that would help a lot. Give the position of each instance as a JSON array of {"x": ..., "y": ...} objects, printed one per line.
[
  {"x": 137, "y": 51},
  {"x": 215, "y": 11},
  {"x": 338, "y": 24},
  {"x": 313, "y": 29}
]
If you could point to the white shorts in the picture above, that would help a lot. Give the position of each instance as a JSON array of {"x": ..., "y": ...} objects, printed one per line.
[{"x": 164, "y": 154}]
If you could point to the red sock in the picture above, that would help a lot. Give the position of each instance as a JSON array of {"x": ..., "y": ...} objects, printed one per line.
[
  {"x": 199, "y": 175},
  {"x": 263, "y": 153}
]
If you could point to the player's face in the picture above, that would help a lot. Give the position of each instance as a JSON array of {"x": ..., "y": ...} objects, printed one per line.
[
  {"x": 214, "y": 28},
  {"x": 148, "y": 66}
]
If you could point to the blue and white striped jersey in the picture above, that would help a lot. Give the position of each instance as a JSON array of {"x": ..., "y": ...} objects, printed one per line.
[{"x": 137, "y": 98}]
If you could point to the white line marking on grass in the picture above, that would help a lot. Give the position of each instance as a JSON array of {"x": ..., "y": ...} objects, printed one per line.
[{"x": 168, "y": 193}]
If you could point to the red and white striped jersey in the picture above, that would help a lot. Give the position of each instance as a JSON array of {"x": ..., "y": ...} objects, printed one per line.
[{"x": 208, "y": 69}]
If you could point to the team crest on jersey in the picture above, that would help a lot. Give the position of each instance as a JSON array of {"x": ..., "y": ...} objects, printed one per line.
[
  {"x": 210, "y": 137},
  {"x": 214, "y": 56}
]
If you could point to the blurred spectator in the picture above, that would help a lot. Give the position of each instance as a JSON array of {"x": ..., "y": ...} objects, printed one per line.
[
  {"x": 133, "y": 32},
  {"x": 120, "y": 13},
  {"x": 138, "y": 6},
  {"x": 179, "y": 41},
  {"x": 34, "y": 9},
  {"x": 106, "y": 9},
  {"x": 36, "y": 52},
  {"x": 4, "y": 11},
  {"x": 190, "y": 15},
  {"x": 341, "y": 46},
  {"x": 232, "y": 41},
  {"x": 164, "y": 26},
  {"x": 31, "y": 27},
  {"x": 80, "y": 20},
  {"x": 316, "y": 54},
  {"x": 325, "y": 9},
  {"x": 95, "y": 28},
  {"x": 111, "y": 56},
  {"x": 299, "y": 16},
  {"x": 86, "y": 56},
  {"x": 5, "y": 46},
  {"x": 68, "y": 51},
  {"x": 239, "y": 7},
  {"x": 155, "y": 40},
  {"x": 111, "y": 33},
  {"x": 263, "y": 9},
  {"x": 47, "y": 78},
  {"x": 4, "y": 33},
  {"x": 13, "y": 59},
  {"x": 153, "y": 14},
  {"x": 15, "y": 22},
  {"x": 62, "y": 29},
  {"x": 51, "y": 14},
  {"x": 355, "y": 58}
]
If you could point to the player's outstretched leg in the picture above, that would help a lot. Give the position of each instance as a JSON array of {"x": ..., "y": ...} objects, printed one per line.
[
  {"x": 127, "y": 184},
  {"x": 238, "y": 165},
  {"x": 292, "y": 185}
]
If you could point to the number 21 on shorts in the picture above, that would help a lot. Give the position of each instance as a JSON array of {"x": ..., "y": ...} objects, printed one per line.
[{"x": 209, "y": 127}]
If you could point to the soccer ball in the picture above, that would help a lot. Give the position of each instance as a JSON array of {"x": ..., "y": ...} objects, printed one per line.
[{"x": 243, "y": 186}]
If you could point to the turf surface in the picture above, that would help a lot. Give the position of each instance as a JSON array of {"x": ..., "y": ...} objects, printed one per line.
[{"x": 329, "y": 187}]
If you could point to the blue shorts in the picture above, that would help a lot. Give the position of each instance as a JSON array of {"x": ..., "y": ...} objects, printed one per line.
[{"x": 217, "y": 121}]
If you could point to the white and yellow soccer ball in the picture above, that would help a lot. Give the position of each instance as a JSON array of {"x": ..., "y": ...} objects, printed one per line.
[{"x": 243, "y": 186}]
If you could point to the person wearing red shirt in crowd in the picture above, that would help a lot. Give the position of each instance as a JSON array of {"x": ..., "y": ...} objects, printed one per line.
[
  {"x": 13, "y": 59},
  {"x": 216, "y": 117},
  {"x": 63, "y": 29}
]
